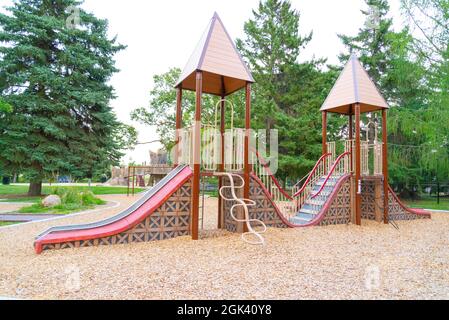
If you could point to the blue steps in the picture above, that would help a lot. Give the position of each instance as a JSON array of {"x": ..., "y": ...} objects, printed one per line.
[{"x": 312, "y": 207}]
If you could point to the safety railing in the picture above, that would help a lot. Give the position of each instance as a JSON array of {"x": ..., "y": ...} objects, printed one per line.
[
  {"x": 211, "y": 142},
  {"x": 339, "y": 168},
  {"x": 378, "y": 153},
  {"x": 321, "y": 168},
  {"x": 364, "y": 158},
  {"x": 284, "y": 202},
  {"x": 332, "y": 149}
]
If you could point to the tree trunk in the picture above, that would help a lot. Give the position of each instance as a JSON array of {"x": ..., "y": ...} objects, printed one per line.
[{"x": 35, "y": 189}]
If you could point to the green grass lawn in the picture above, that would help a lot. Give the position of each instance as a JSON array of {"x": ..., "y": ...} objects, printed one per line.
[
  {"x": 97, "y": 190},
  {"x": 4, "y": 224},
  {"x": 429, "y": 204},
  {"x": 22, "y": 199},
  {"x": 72, "y": 200},
  {"x": 37, "y": 208}
]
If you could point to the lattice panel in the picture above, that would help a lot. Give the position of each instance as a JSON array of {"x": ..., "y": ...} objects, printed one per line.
[
  {"x": 263, "y": 210},
  {"x": 229, "y": 223},
  {"x": 369, "y": 203},
  {"x": 397, "y": 212},
  {"x": 170, "y": 220},
  {"x": 340, "y": 209},
  {"x": 368, "y": 200}
]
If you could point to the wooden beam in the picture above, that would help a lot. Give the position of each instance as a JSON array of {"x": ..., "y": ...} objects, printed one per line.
[
  {"x": 178, "y": 123},
  {"x": 196, "y": 157},
  {"x": 351, "y": 136},
  {"x": 358, "y": 181},
  {"x": 324, "y": 131},
  {"x": 221, "y": 166},
  {"x": 247, "y": 166},
  {"x": 385, "y": 163}
]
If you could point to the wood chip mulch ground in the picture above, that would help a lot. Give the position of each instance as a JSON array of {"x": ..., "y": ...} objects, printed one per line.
[{"x": 374, "y": 261}]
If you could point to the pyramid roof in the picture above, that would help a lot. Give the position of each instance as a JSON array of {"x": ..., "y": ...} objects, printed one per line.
[
  {"x": 224, "y": 70},
  {"x": 354, "y": 86}
]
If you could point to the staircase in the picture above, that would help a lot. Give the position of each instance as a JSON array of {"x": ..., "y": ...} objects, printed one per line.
[
  {"x": 304, "y": 206},
  {"x": 312, "y": 206}
]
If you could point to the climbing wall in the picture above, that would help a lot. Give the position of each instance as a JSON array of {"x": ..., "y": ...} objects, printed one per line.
[{"x": 170, "y": 220}]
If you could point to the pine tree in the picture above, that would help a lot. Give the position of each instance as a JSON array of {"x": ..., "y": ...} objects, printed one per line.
[
  {"x": 55, "y": 62},
  {"x": 372, "y": 44},
  {"x": 401, "y": 73},
  {"x": 287, "y": 93}
]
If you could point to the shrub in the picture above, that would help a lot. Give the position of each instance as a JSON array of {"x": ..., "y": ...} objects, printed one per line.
[
  {"x": 72, "y": 199},
  {"x": 6, "y": 180},
  {"x": 88, "y": 198},
  {"x": 72, "y": 196}
]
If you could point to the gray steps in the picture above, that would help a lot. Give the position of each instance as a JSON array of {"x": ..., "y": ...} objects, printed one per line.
[
  {"x": 312, "y": 207},
  {"x": 306, "y": 216},
  {"x": 299, "y": 221},
  {"x": 315, "y": 202},
  {"x": 308, "y": 211}
]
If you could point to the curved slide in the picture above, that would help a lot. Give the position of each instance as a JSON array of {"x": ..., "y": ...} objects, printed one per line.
[
  {"x": 123, "y": 221},
  {"x": 416, "y": 211}
]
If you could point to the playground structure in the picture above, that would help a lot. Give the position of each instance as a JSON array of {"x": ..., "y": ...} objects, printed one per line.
[
  {"x": 348, "y": 183},
  {"x": 141, "y": 176}
]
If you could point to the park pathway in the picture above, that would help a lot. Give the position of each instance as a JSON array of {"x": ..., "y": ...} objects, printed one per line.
[{"x": 19, "y": 217}]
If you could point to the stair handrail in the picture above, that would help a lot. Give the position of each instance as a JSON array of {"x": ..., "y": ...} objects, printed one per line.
[
  {"x": 323, "y": 157},
  {"x": 331, "y": 171},
  {"x": 264, "y": 163}
]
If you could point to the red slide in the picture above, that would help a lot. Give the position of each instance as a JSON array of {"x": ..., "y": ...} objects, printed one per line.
[
  {"x": 123, "y": 221},
  {"x": 419, "y": 212}
]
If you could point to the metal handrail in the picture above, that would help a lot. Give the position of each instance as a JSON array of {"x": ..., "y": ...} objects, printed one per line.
[
  {"x": 331, "y": 171},
  {"x": 324, "y": 156}
]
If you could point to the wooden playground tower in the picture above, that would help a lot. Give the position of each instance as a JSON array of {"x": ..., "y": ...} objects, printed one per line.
[
  {"x": 345, "y": 186},
  {"x": 353, "y": 94},
  {"x": 215, "y": 68}
]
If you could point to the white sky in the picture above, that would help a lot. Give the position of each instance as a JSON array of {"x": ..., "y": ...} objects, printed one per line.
[{"x": 163, "y": 34}]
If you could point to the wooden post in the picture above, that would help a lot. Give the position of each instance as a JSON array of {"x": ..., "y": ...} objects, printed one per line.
[
  {"x": 358, "y": 181},
  {"x": 134, "y": 179},
  {"x": 129, "y": 180},
  {"x": 178, "y": 124},
  {"x": 324, "y": 133},
  {"x": 222, "y": 167},
  {"x": 378, "y": 200},
  {"x": 351, "y": 136},
  {"x": 196, "y": 157},
  {"x": 247, "y": 166},
  {"x": 385, "y": 163}
]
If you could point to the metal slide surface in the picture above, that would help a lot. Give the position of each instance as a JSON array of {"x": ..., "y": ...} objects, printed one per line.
[{"x": 122, "y": 221}]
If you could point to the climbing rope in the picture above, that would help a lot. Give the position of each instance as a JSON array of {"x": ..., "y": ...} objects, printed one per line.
[{"x": 244, "y": 203}]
